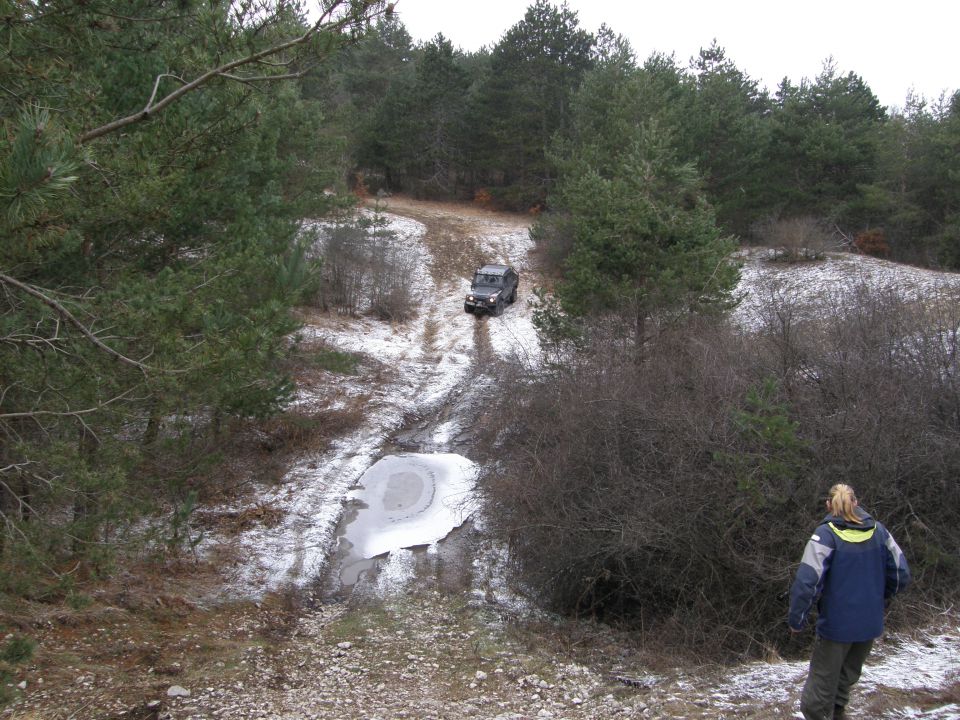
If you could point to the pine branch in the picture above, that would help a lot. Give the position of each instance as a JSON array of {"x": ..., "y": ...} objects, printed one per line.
[
  {"x": 64, "y": 313},
  {"x": 323, "y": 24},
  {"x": 65, "y": 413}
]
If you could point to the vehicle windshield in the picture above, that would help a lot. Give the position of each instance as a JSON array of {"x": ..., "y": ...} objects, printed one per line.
[{"x": 483, "y": 280}]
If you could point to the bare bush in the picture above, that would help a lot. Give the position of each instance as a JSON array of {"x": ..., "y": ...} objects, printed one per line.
[
  {"x": 872, "y": 242},
  {"x": 365, "y": 270},
  {"x": 391, "y": 276},
  {"x": 344, "y": 268},
  {"x": 676, "y": 493},
  {"x": 798, "y": 239}
]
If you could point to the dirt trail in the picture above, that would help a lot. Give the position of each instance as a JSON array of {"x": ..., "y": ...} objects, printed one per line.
[{"x": 458, "y": 235}]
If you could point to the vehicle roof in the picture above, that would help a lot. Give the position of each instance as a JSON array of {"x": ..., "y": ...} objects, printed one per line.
[{"x": 493, "y": 269}]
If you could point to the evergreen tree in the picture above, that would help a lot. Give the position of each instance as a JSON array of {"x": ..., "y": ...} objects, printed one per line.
[
  {"x": 417, "y": 135},
  {"x": 526, "y": 99},
  {"x": 645, "y": 240},
  {"x": 913, "y": 202},
  {"x": 150, "y": 258},
  {"x": 362, "y": 94},
  {"x": 725, "y": 133},
  {"x": 947, "y": 150},
  {"x": 824, "y": 145}
]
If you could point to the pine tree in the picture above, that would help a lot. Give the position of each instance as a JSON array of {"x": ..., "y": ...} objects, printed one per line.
[
  {"x": 151, "y": 204},
  {"x": 526, "y": 99},
  {"x": 645, "y": 240}
]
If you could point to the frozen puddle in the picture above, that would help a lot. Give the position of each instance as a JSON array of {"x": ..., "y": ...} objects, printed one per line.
[{"x": 403, "y": 501}]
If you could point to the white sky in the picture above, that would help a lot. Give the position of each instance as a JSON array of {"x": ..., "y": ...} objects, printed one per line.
[{"x": 894, "y": 46}]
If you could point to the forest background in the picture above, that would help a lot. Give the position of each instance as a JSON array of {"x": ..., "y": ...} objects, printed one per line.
[{"x": 157, "y": 161}]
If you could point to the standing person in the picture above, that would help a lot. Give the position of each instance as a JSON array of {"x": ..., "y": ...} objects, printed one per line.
[{"x": 851, "y": 567}]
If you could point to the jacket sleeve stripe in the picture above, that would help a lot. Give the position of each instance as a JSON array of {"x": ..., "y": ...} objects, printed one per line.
[
  {"x": 808, "y": 582},
  {"x": 898, "y": 574},
  {"x": 815, "y": 555}
]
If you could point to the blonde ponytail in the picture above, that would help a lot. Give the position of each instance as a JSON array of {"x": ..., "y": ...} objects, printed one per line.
[{"x": 842, "y": 503}]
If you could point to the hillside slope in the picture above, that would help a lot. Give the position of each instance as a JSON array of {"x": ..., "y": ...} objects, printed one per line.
[{"x": 250, "y": 628}]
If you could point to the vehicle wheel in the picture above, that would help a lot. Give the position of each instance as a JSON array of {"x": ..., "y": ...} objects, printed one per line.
[
  {"x": 468, "y": 308},
  {"x": 498, "y": 310},
  {"x": 513, "y": 296}
]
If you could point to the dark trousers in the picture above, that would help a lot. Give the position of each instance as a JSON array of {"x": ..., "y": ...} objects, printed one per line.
[{"x": 834, "y": 667}]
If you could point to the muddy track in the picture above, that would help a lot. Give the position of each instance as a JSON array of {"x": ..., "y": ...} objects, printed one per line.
[
  {"x": 482, "y": 349},
  {"x": 444, "y": 344}
]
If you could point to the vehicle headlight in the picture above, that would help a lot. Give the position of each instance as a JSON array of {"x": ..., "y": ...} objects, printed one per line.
[
  {"x": 470, "y": 298},
  {"x": 493, "y": 297}
]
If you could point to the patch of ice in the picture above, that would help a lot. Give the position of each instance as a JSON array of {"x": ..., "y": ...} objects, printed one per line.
[{"x": 410, "y": 500}]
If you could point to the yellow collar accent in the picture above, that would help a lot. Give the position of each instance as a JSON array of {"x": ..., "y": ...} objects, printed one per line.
[{"x": 854, "y": 536}]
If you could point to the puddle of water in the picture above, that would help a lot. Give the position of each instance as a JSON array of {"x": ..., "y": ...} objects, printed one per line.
[{"x": 404, "y": 501}]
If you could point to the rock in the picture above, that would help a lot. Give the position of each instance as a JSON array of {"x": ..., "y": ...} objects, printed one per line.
[
  {"x": 481, "y": 675},
  {"x": 22, "y": 685},
  {"x": 344, "y": 645},
  {"x": 177, "y": 691}
]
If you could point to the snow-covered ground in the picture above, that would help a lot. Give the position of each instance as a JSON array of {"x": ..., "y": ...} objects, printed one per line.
[
  {"x": 829, "y": 281},
  {"x": 423, "y": 361},
  {"x": 922, "y": 663}
]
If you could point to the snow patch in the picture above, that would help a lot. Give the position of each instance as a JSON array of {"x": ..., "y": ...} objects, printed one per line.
[
  {"x": 927, "y": 662},
  {"x": 831, "y": 279},
  {"x": 930, "y": 661}
]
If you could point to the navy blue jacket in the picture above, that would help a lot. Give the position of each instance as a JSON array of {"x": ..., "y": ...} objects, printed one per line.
[{"x": 850, "y": 570}]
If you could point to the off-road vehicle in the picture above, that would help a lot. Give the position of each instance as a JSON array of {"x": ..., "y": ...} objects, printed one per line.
[{"x": 493, "y": 286}]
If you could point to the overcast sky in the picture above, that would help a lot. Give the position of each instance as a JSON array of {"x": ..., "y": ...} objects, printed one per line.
[{"x": 893, "y": 46}]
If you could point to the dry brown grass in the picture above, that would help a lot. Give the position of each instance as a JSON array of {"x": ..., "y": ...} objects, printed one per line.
[
  {"x": 452, "y": 232},
  {"x": 146, "y": 630},
  {"x": 891, "y": 699},
  {"x": 234, "y": 522}
]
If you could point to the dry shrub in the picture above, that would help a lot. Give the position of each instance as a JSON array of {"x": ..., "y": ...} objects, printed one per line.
[
  {"x": 233, "y": 522},
  {"x": 360, "y": 188},
  {"x": 365, "y": 270},
  {"x": 675, "y": 492},
  {"x": 872, "y": 242},
  {"x": 309, "y": 431},
  {"x": 797, "y": 239},
  {"x": 484, "y": 199}
]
